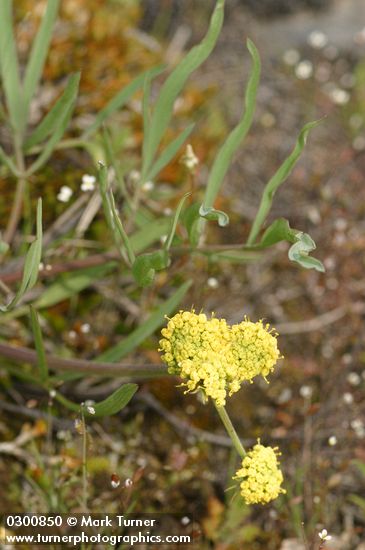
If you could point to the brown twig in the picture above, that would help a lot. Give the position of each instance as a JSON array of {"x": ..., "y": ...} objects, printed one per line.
[{"x": 83, "y": 366}]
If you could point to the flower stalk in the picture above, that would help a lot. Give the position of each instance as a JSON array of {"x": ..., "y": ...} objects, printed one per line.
[{"x": 230, "y": 430}]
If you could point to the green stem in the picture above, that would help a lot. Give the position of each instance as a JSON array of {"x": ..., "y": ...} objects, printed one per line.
[
  {"x": 230, "y": 430},
  {"x": 84, "y": 460}
]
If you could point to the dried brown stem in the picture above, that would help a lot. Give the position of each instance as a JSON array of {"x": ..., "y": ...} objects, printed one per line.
[{"x": 83, "y": 366}]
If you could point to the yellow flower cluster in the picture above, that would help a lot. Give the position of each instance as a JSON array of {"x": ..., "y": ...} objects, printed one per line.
[
  {"x": 215, "y": 357},
  {"x": 261, "y": 476}
]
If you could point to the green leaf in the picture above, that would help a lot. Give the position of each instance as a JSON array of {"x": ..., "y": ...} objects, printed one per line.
[
  {"x": 174, "y": 221},
  {"x": 72, "y": 283},
  {"x": 120, "y": 99},
  {"x": 156, "y": 319},
  {"x": 59, "y": 128},
  {"x": 303, "y": 244},
  {"x": 279, "y": 230},
  {"x": 114, "y": 222},
  {"x": 31, "y": 264},
  {"x": 111, "y": 405},
  {"x": 278, "y": 178},
  {"x": 224, "y": 157},
  {"x": 234, "y": 256},
  {"x": 190, "y": 220},
  {"x": 168, "y": 154},
  {"x": 39, "y": 346},
  {"x": 212, "y": 214},
  {"x": 149, "y": 233},
  {"x": 145, "y": 266},
  {"x": 39, "y": 51},
  {"x": 299, "y": 253},
  {"x": 10, "y": 69},
  {"x": 51, "y": 121},
  {"x": 5, "y": 159},
  {"x": 172, "y": 87}
]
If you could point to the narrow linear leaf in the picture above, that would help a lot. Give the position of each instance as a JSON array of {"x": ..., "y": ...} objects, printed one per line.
[
  {"x": 174, "y": 221},
  {"x": 224, "y": 157},
  {"x": 120, "y": 228},
  {"x": 212, "y": 214},
  {"x": 8, "y": 162},
  {"x": 72, "y": 283},
  {"x": 111, "y": 405},
  {"x": 31, "y": 264},
  {"x": 51, "y": 121},
  {"x": 112, "y": 159},
  {"x": 39, "y": 346},
  {"x": 278, "y": 178},
  {"x": 39, "y": 51},
  {"x": 234, "y": 256},
  {"x": 10, "y": 68},
  {"x": 120, "y": 99},
  {"x": 119, "y": 234},
  {"x": 146, "y": 110},
  {"x": 65, "y": 287},
  {"x": 58, "y": 130},
  {"x": 149, "y": 233},
  {"x": 172, "y": 87},
  {"x": 169, "y": 152},
  {"x": 146, "y": 329}
]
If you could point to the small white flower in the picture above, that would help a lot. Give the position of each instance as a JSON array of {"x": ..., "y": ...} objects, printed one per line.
[
  {"x": 128, "y": 482},
  {"x": 85, "y": 328},
  {"x": 212, "y": 282},
  {"x": 167, "y": 211},
  {"x": 306, "y": 392},
  {"x": 339, "y": 96},
  {"x": 332, "y": 440},
  {"x": 348, "y": 398},
  {"x": 52, "y": 394},
  {"x": 323, "y": 535},
  {"x": 88, "y": 183},
  {"x": 91, "y": 410},
  {"x": 65, "y": 193},
  {"x": 291, "y": 57},
  {"x": 185, "y": 520},
  {"x": 115, "y": 481},
  {"x": 148, "y": 186},
  {"x": 354, "y": 379},
  {"x": 317, "y": 39},
  {"x": 41, "y": 266},
  {"x": 304, "y": 69}
]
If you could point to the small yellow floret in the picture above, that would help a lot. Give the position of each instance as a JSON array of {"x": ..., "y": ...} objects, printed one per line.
[
  {"x": 215, "y": 357},
  {"x": 261, "y": 475}
]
